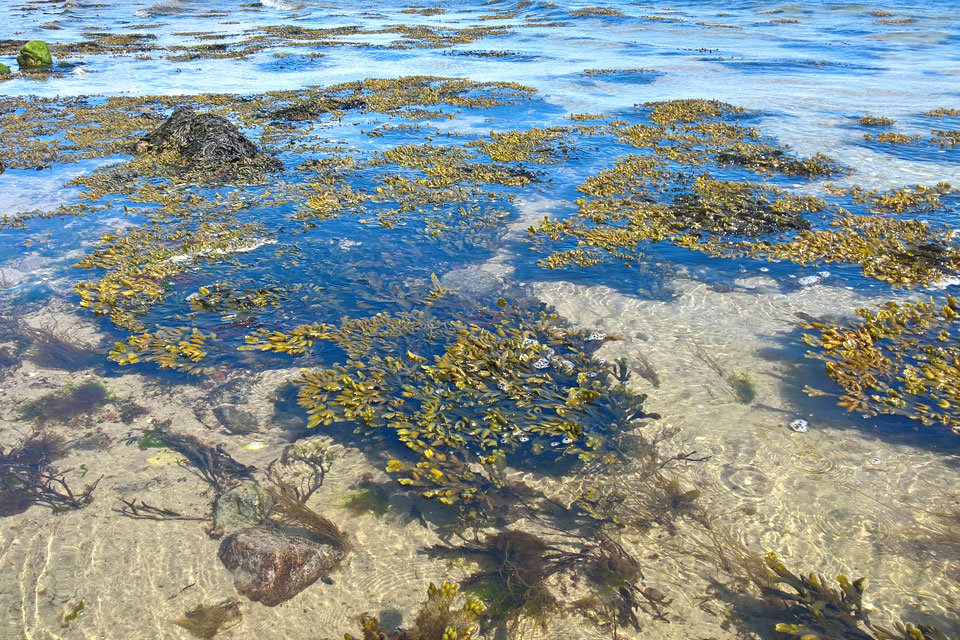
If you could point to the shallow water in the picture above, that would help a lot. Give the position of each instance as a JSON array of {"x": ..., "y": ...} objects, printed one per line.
[{"x": 872, "y": 497}]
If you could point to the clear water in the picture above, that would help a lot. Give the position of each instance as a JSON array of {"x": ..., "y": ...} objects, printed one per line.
[{"x": 817, "y": 498}]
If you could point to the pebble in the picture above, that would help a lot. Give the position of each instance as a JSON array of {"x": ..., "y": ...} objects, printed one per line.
[{"x": 800, "y": 425}]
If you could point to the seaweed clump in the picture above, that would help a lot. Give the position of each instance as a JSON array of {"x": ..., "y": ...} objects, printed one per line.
[
  {"x": 515, "y": 567},
  {"x": 205, "y": 621},
  {"x": 27, "y": 477},
  {"x": 204, "y": 139},
  {"x": 67, "y": 403},
  {"x": 902, "y": 358},
  {"x": 822, "y": 611},
  {"x": 875, "y": 121},
  {"x": 436, "y": 620},
  {"x": 668, "y": 194},
  {"x": 368, "y": 498},
  {"x": 469, "y": 397},
  {"x": 212, "y": 464}
]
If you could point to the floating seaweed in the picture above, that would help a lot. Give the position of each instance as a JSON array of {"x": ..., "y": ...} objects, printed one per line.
[
  {"x": 899, "y": 359},
  {"x": 468, "y": 399},
  {"x": 875, "y": 121}
]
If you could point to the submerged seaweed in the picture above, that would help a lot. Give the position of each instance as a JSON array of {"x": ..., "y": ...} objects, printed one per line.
[
  {"x": 66, "y": 404},
  {"x": 436, "y": 619},
  {"x": 27, "y": 477}
]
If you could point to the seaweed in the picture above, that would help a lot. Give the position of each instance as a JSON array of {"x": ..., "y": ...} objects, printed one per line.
[
  {"x": 369, "y": 498},
  {"x": 515, "y": 566},
  {"x": 66, "y": 404},
  {"x": 437, "y": 619},
  {"x": 813, "y": 607},
  {"x": 212, "y": 464},
  {"x": 743, "y": 390},
  {"x": 899, "y": 359},
  {"x": 144, "y": 511},
  {"x": 54, "y": 350},
  {"x": 875, "y": 121},
  {"x": 27, "y": 477},
  {"x": 821, "y": 609},
  {"x": 290, "y": 510},
  {"x": 205, "y": 621},
  {"x": 307, "y": 462},
  {"x": 494, "y": 394}
]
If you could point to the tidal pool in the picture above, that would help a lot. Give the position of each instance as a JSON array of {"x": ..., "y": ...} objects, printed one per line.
[{"x": 503, "y": 320}]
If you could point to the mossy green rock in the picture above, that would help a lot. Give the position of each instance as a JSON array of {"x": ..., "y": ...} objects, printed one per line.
[
  {"x": 4, "y": 70},
  {"x": 244, "y": 505},
  {"x": 35, "y": 54}
]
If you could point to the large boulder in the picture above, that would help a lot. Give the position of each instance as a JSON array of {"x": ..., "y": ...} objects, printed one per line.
[
  {"x": 201, "y": 138},
  {"x": 4, "y": 70},
  {"x": 271, "y": 566},
  {"x": 34, "y": 54}
]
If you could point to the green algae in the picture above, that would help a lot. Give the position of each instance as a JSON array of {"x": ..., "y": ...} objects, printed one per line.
[
  {"x": 369, "y": 498},
  {"x": 34, "y": 55}
]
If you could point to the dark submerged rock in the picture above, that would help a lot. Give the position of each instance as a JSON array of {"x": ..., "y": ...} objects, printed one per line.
[
  {"x": 236, "y": 421},
  {"x": 270, "y": 566},
  {"x": 202, "y": 138}
]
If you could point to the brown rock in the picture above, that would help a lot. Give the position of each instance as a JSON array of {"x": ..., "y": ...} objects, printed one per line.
[{"x": 271, "y": 566}]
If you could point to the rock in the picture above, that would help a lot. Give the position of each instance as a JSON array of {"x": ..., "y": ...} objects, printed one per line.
[
  {"x": 244, "y": 505},
  {"x": 4, "y": 70},
  {"x": 34, "y": 54},
  {"x": 202, "y": 138},
  {"x": 271, "y": 566},
  {"x": 236, "y": 421}
]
